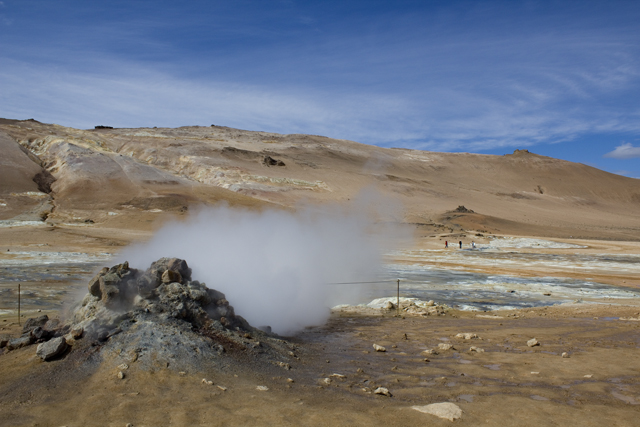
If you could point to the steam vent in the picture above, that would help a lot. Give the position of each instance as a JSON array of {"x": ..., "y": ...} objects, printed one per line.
[{"x": 158, "y": 318}]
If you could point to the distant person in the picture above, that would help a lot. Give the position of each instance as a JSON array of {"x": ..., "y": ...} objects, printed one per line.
[
  {"x": 460, "y": 244},
  {"x": 473, "y": 245},
  {"x": 446, "y": 244}
]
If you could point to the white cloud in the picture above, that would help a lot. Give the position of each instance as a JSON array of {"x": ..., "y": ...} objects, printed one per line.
[{"x": 624, "y": 151}]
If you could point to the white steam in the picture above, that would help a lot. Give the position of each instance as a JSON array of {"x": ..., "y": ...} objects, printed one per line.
[{"x": 276, "y": 268}]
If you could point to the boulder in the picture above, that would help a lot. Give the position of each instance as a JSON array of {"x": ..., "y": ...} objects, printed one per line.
[
  {"x": 445, "y": 346},
  {"x": 533, "y": 342},
  {"x": 33, "y": 322},
  {"x": 52, "y": 348},
  {"x": 20, "y": 342}
]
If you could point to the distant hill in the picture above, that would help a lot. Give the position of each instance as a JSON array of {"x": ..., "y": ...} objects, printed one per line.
[{"x": 119, "y": 176}]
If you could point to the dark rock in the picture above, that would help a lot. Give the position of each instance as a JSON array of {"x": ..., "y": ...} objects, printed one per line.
[
  {"x": 52, "y": 348},
  {"x": 462, "y": 209},
  {"x": 44, "y": 179},
  {"x": 39, "y": 333},
  {"x": 109, "y": 287},
  {"x": 270, "y": 161},
  {"x": 4, "y": 341},
  {"x": 77, "y": 333},
  {"x": 170, "y": 276},
  {"x": 52, "y": 325},
  {"x": 94, "y": 284},
  {"x": 31, "y": 323},
  {"x": 20, "y": 342}
]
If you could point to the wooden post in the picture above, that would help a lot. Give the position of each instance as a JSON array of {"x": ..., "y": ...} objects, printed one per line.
[
  {"x": 18, "y": 304},
  {"x": 398, "y": 299}
]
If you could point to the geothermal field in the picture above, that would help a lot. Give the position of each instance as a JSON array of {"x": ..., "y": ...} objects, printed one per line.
[{"x": 215, "y": 276}]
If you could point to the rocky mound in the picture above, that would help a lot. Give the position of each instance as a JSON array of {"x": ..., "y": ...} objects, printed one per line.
[{"x": 157, "y": 318}]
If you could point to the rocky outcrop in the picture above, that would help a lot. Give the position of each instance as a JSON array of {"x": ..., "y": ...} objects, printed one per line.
[{"x": 52, "y": 348}]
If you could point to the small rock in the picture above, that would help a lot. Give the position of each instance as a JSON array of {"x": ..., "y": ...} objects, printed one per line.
[
  {"x": 427, "y": 360},
  {"x": 588, "y": 376},
  {"x": 262, "y": 388},
  {"x": 120, "y": 375},
  {"x": 222, "y": 388},
  {"x": 535, "y": 373},
  {"x": 129, "y": 425},
  {"x": 290, "y": 380},
  {"x": 467, "y": 336},
  {"x": 476, "y": 349},
  {"x": 52, "y": 348},
  {"x": 123, "y": 367},
  {"x": 327, "y": 381},
  {"x": 377, "y": 347},
  {"x": 207, "y": 382},
  {"x": 447, "y": 410},
  {"x": 182, "y": 374},
  {"x": 445, "y": 346},
  {"x": 390, "y": 306},
  {"x": 430, "y": 351},
  {"x": 77, "y": 333},
  {"x": 565, "y": 355},
  {"x": 383, "y": 391},
  {"x": 337, "y": 376},
  {"x": 533, "y": 342},
  {"x": 430, "y": 303}
]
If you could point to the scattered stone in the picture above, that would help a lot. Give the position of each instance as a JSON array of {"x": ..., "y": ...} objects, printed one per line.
[
  {"x": 289, "y": 380},
  {"x": 445, "y": 346},
  {"x": 19, "y": 342},
  {"x": 430, "y": 351},
  {"x": 383, "y": 391},
  {"x": 207, "y": 382},
  {"x": 120, "y": 375},
  {"x": 430, "y": 303},
  {"x": 377, "y": 347},
  {"x": 467, "y": 336},
  {"x": 390, "y": 306},
  {"x": 123, "y": 367},
  {"x": 565, "y": 355},
  {"x": 327, "y": 381},
  {"x": 52, "y": 348},
  {"x": 446, "y": 410},
  {"x": 337, "y": 376},
  {"x": 476, "y": 349},
  {"x": 427, "y": 360},
  {"x": 262, "y": 388},
  {"x": 129, "y": 425},
  {"x": 222, "y": 388},
  {"x": 283, "y": 365},
  {"x": 588, "y": 376},
  {"x": 535, "y": 373},
  {"x": 270, "y": 161},
  {"x": 4, "y": 341},
  {"x": 533, "y": 342},
  {"x": 182, "y": 373}
]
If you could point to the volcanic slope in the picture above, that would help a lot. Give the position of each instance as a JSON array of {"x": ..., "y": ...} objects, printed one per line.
[{"x": 127, "y": 178}]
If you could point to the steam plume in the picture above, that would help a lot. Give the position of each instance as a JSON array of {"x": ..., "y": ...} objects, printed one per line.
[{"x": 275, "y": 267}]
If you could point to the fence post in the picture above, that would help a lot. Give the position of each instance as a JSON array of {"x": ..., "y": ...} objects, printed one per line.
[
  {"x": 18, "y": 304},
  {"x": 398, "y": 299}
]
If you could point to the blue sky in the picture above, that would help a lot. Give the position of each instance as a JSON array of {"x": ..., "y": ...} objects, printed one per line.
[{"x": 559, "y": 78}]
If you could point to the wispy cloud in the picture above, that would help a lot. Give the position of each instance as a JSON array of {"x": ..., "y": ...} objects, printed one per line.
[
  {"x": 624, "y": 151},
  {"x": 448, "y": 79}
]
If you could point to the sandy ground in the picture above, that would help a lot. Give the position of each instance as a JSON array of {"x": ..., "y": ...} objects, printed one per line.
[{"x": 509, "y": 381}]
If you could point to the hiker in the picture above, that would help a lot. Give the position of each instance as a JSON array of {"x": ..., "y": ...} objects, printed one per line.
[
  {"x": 473, "y": 244},
  {"x": 460, "y": 244},
  {"x": 446, "y": 244}
]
